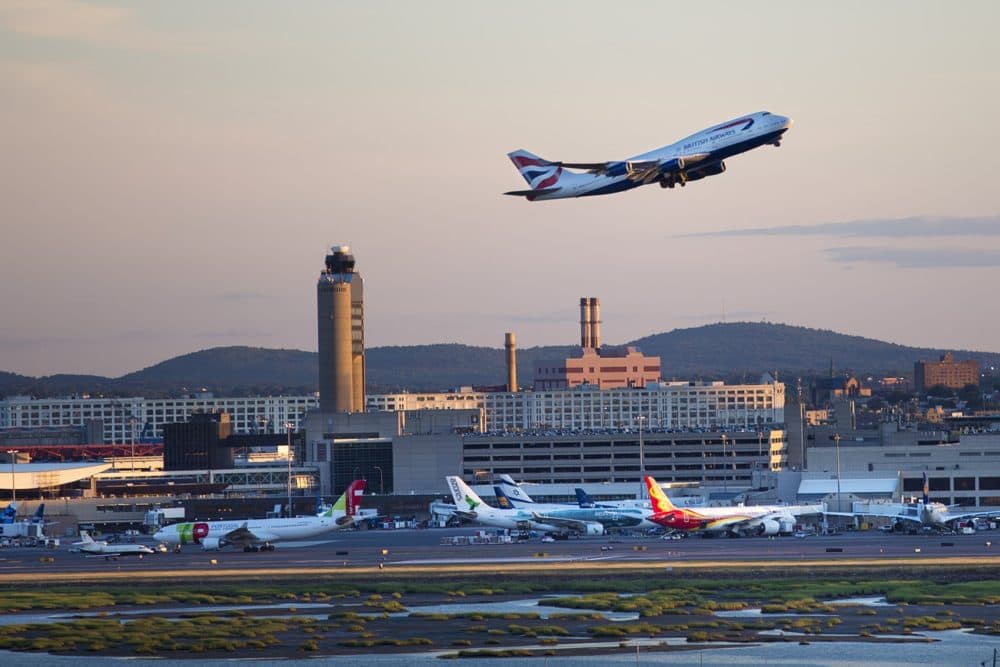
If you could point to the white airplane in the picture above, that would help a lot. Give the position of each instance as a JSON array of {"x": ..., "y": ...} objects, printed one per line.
[
  {"x": 732, "y": 521},
  {"x": 690, "y": 159},
  {"x": 469, "y": 506},
  {"x": 260, "y": 534},
  {"x": 99, "y": 548},
  {"x": 925, "y": 513},
  {"x": 575, "y": 518}
]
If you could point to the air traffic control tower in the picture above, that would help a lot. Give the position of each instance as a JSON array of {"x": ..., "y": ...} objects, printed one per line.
[{"x": 341, "y": 323}]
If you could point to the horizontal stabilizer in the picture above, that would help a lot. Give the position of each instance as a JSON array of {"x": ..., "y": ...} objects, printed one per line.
[{"x": 532, "y": 193}]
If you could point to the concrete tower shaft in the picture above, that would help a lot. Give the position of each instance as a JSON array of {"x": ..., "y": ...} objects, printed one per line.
[
  {"x": 340, "y": 324},
  {"x": 510, "y": 344}
]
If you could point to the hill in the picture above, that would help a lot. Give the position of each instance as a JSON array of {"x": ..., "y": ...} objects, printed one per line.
[{"x": 733, "y": 351}]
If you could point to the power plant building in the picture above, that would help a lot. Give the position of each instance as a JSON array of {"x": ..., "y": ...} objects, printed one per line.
[{"x": 599, "y": 367}]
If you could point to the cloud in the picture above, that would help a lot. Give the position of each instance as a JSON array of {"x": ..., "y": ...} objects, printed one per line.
[
  {"x": 61, "y": 19},
  {"x": 101, "y": 26},
  {"x": 899, "y": 228},
  {"x": 918, "y": 258}
]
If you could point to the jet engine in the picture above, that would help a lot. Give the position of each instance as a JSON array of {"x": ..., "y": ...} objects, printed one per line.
[
  {"x": 594, "y": 528},
  {"x": 713, "y": 169},
  {"x": 210, "y": 543},
  {"x": 768, "y": 527}
]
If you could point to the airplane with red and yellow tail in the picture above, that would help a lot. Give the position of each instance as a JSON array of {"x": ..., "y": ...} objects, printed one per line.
[{"x": 732, "y": 521}]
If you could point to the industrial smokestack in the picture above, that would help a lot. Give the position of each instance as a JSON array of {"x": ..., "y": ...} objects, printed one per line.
[
  {"x": 595, "y": 322},
  {"x": 585, "y": 322},
  {"x": 510, "y": 346}
]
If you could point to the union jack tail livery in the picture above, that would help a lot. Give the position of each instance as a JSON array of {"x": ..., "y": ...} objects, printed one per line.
[{"x": 542, "y": 175}]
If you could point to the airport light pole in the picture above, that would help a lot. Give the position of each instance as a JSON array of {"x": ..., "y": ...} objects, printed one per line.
[
  {"x": 381, "y": 481},
  {"x": 131, "y": 423},
  {"x": 13, "y": 491},
  {"x": 725, "y": 465},
  {"x": 642, "y": 461},
  {"x": 288, "y": 427},
  {"x": 836, "y": 438}
]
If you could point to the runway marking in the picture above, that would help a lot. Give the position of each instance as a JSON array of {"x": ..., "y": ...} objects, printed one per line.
[{"x": 534, "y": 565}]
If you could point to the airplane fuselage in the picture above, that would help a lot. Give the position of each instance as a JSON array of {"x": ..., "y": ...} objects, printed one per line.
[
  {"x": 270, "y": 530},
  {"x": 692, "y": 158}
]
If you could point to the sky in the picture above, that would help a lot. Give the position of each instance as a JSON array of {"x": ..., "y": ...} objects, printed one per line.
[{"x": 172, "y": 174}]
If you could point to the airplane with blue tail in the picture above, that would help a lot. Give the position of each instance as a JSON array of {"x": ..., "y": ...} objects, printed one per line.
[{"x": 693, "y": 158}]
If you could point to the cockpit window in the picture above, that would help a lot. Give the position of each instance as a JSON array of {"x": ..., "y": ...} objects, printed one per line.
[{"x": 766, "y": 113}]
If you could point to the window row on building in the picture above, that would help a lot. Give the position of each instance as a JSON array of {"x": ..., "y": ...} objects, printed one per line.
[{"x": 135, "y": 419}]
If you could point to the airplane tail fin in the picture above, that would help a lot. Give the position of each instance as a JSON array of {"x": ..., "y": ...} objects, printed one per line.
[
  {"x": 39, "y": 514},
  {"x": 9, "y": 513},
  {"x": 349, "y": 501},
  {"x": 85, "y": 537},
  {"x": 583, "y": 499},
  {"x": 659, "y": 499},
  {"x": 538, "y": 172},
  {"x": 514, "y": 491},
  {"x": 503, "y": 502},
  {"x": 465, "y": 498}
]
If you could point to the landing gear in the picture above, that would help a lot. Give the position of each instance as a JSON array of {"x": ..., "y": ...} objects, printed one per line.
[{"x": 776, "y": 144}]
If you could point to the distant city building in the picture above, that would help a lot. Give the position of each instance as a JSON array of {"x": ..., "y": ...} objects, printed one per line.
[
  {"x": 140, "y": 419},
  {"x": 678, "y": 405},
  {"x": 947, "y": 373},
  {"x": 341, "y": 330},
  {"x": 198, "y": 443}
]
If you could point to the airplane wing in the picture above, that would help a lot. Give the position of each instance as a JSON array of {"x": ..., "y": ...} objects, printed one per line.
[
  {"x": 971, "y": 515},
  {"x": 243, "y": 535},
  {"x": 645, "y": 171}
]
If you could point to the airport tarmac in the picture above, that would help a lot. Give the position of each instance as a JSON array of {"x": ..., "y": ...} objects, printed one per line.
[{"x": 423, "y": 550}]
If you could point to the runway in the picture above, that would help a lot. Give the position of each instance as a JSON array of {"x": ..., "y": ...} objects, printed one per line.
[{"x": 423, "y": 551}]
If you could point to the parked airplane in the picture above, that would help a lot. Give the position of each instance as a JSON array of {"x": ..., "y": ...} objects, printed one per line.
[
  {"x": 924, "y": 513},
  {"x": 690, "y": 159},
  {"x": 260, "y": 534},
  {"x": 514, "y": 491},
  {"x": 469, "y": 506},
  {"x": 585, "y": 520},
  {"x": 732, "y": 521},
  {"x": 583, "y": 500},
  {"x": 99, "y": 548}
]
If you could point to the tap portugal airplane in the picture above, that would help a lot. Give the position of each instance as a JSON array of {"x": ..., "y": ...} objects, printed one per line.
[
  {"x": 259, "y": 534},
  {"x": 689, "y": 159}
]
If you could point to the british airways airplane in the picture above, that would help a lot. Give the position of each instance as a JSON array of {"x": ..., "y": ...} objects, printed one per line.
[{"x": 689, "y": 159}]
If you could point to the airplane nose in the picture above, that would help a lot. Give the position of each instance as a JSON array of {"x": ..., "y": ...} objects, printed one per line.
[{"x": 787, "y": 122}]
